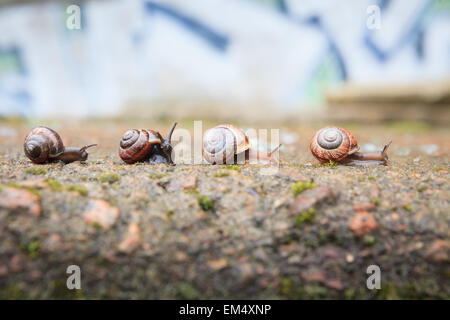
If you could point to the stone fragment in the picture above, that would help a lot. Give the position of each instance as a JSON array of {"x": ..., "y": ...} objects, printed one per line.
[
  {"x": 16, "y": 263},
  {"x": 182, "y": 183},
  {"x": 292, "y": 175},
  {"x": 363, "y": 223},
  {"x": 439, "y": 251},
  {"x": 319, "y": 275},
  {"x": 35, "y": 183},
  {"x": 364, "y": 207},
  {"x": 132, "y": 239},
  {"x": 349, "y": 258},
  {"x": 102, "y": 213},
  {"x": 218, "y": 264},
  {"x": 314, "y": 274},
  {"x": 20, "y": 200},
  {"x": 312, "y": 197},
  {"x": 3, "y": 271}
]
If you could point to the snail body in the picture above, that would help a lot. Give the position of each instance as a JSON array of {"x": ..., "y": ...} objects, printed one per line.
[
  {"x": 44, "y": 145},
  {"x": 339, "y": 145},
  {"x": 146, "y": 145}
]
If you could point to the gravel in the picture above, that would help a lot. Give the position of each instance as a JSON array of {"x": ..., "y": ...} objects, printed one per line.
[{"x": 195, "y": 231}]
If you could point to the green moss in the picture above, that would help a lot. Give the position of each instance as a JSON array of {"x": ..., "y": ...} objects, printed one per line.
[
  {"x": 191, "y": 191},
  {"x": 36, "y": 171},
  {"x": 388, "y": 292},
  {"x": 371, "y": 178},
  {"x": 54, "y": 185},
  {"x": 31, "y": 189},
  {"x": 205, "y": 202},
  {"x": 97, "y": 226},
  {"x": 157, "y": 175},
  {"x": 109, "y": 177},
  {"x": 407, "y": 207},
  {"x": 369, "y": 240},
  {"x": 232, "y": 167},
  {"x": 350, "y": 293},
  {"x": 312, "y": 292},
  {"x": 60, "y": 291},
  {"x": 286, "y": 285},
  {"x": 13, "y": 292},
  {"x": 305, "y": 217},
  {"x": 438, "y": 168},
  {"x": 169, "y": 214},
  {"x": 32, "y": 248},
  {"x": 301, "y": 186},
  {"x": 82, "y": 190},
  {"x": 422, "y": 187},
  {"x": 375, "y": 201},
  {"x": 221, "y": 174},
  {"x": 187, "y": 291},
  {"x": 331, "y": 164}
]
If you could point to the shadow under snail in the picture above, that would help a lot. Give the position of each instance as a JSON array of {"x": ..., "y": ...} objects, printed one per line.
[
  {"x": 146, "y": 145},
  {"x": 339, "y": 145},
  {"x": 44, "y": 145},
  {"x": 227, "y": 144}
]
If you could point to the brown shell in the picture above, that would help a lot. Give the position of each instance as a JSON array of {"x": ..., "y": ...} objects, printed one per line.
[
  {"x": 233, "y": 141},
  {"x": 324, "y": 150},
  {"x": 135, "y": 145},
  {"x": 41, "y": 144}
]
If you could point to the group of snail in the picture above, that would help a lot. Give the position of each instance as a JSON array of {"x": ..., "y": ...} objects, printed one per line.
[{"x": 221, "y": 144}]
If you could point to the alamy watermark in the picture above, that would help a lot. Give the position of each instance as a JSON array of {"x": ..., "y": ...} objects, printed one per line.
[
  {"x": 73, "y": 21},
  {"x": 374, "y": 19},
  {"x": 225, "y": 145},
  {"x": 374, "y": 279},
  {"x": 74, "y": 278}
]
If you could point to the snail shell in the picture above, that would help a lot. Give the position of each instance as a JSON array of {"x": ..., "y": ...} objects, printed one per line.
[
  {"x": 333, "y": 143},
  {"x": 222, "y": 143},
  {"x": 42, "y": 144},
  {"x": 135, "y": 144}
]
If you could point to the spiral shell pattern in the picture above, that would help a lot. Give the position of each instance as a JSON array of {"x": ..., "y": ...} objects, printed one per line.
[
  {"x": 222, "y": 143},
  {"x": 135, "y": 145},
  {"x": 41, "y": 143},
  {"x": 333, "y": 143}
]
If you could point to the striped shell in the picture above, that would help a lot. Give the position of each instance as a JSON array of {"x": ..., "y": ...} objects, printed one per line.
[
  {"x": 222, "y": 143},
  {"x": 135, "y": 145},
  {"x": 333, "y": 143},
  {"x": 41, "y": 143}
]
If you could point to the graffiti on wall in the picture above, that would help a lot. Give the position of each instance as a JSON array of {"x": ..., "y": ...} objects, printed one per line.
[{"x": 280, "y": 52}]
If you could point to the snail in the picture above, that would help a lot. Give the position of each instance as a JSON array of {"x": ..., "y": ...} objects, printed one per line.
[
  {"x": 43, "y": 145},
  {"x": 339, "y": 145},
  {"x": 146, "y": 145},
  {"x": 225, "y": 143}
]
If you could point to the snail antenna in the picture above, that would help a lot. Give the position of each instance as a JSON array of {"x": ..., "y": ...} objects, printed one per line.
[
  {"x": 88, "y": 146},
  {"x": 274, "y": 150},
  {"x": 386, "y": 147},
  {"x": 169, "y": 137}
]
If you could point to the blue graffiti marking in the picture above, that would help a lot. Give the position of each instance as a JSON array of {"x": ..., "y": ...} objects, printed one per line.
[
  {"x": 13, "y": 57},
  {"x": 11, "y": 63},
  {"x": 316, "y": 22},
  {"x": 414, "y": 34},
  {"x": 214, "y": 38}
]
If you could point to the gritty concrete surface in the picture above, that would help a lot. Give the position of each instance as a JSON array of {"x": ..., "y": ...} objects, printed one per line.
[{"x": 156, "y": 231}]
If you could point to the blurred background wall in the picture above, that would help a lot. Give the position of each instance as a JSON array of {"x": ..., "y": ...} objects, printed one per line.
[{"x": 268, "y": 58}]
